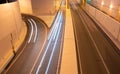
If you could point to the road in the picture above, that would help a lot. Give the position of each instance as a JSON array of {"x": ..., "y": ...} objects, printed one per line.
[
  {"x": 42, "y": 49},
  {"x": 33, "y": 45},
  {"x": 96, "y": 53},
  {"x": 49, "y": 63}
]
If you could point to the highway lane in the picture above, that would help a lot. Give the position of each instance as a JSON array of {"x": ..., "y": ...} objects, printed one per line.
[
  {"x": 33, "y": 45},
  {"x": 96, "y": 54},
  {"x": 49, "y": 62}
]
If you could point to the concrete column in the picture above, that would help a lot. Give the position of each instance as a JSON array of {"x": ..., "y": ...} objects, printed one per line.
[
  {"x": 11, "y": 27},
  {"x": 25, "y": 6}
]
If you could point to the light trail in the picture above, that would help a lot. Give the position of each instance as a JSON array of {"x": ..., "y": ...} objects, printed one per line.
[
  {"x": 31, "y": 31},
  {"x": 50, "y": 38},
  {"x": 58, "y": 33},
  {"x": 35, "y": 30}
]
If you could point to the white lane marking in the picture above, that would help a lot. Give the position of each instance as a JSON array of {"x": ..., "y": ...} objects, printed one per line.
[
  {"x": 96, "y": 47},
  {"x": 31, "y": 31},
  {"x": 39, "y": 52},
  {"x": 51, "y": 31},
  {"x": 36, "y": 31},
  {"x": 41, "y": 62},
  {"x": 46, "y": 72}
]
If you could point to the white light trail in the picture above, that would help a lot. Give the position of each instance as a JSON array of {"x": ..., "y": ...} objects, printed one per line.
[
  {"x": 50, "y": 40},
  {"x": 46, "y": 72},
  {"x": 31, "y": 31},
  {"x": 35, "y": 30}
]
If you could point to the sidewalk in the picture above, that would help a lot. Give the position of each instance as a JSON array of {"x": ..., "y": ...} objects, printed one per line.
[{"x": 69, "y": 59}]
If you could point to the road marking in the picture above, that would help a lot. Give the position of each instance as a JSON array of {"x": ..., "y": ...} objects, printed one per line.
[
  {"x": 31, "y": 34},
  {"x": 39, "y": 52},
  {"x": 95, "y": 46},
  {"x": 36, "y": 31},
  {"x": 46, "y": 72}
]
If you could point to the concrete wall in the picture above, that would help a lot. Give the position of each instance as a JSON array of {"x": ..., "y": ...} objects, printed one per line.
[
  {"x": 45, "y": 7},
  {"x": 110, "y": 25},
  {"x": 11, "y": 26},
  {"x": 25, "y": 6},
  {"x": 104, "y": 5}
]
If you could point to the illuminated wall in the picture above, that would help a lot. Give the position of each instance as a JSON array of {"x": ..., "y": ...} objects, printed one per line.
[
  {"x": 25, "y": 6},
  {"x": 111, "y": 7},
  {"x": 45, "y": 7},
  {"x": 11, "y": 27}
]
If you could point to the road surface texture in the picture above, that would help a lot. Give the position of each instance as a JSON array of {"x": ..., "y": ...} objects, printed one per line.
[{"x": 96, "y": 54}]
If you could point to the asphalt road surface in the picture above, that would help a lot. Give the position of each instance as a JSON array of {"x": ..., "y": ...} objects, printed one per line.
[
  {"x": 96, "y": 54},
  {"x": 50, "y": 61},
  {"x": 27, "y": 55}
]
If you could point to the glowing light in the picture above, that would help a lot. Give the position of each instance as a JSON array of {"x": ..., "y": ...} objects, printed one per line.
[
  {"x": 102, "y": 3},
  {"x": 111, "y": 6}
]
